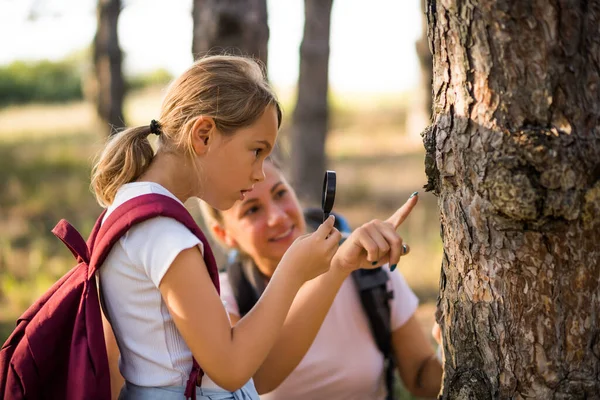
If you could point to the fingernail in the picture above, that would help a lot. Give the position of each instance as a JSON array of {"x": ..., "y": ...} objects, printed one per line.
[
  {"x": 413, "y": 195},
  {"x": 374, "y": 263},
  {"x": 393, "y": 267}
]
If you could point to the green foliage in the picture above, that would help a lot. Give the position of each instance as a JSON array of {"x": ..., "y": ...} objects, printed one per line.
[
  {"x": 157, "y": 77},
  {"x": 42, "y": 81},
  {"x": 59, "y": 81},
  {"x": 42, "y": 181}
]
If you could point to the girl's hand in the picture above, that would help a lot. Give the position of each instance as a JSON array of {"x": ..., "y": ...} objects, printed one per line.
[
  {"x": 310, "y": 255},
  {"x": 375, "y": 243}
]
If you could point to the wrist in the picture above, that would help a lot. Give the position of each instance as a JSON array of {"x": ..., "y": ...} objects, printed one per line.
[
  {"x": 287, "y": 273},
  {"x": 337, "y": 270}
]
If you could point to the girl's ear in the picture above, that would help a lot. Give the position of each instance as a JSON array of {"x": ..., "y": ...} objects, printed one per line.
[
  {"x": 203, "y": 133},
  {"x": 221, "y": 234}
]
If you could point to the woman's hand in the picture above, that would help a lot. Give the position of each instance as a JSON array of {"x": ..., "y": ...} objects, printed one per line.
[
  {"x": 376, "y": 242},
  {"x": 310, "y": 255}
]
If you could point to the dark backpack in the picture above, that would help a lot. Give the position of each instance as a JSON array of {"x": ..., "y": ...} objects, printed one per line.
[
  {"x": 57, "y": 350},
  {"x": 248, "y": 283}
]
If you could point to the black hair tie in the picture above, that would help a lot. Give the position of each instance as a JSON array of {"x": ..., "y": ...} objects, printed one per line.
[{"x": 155, "y": 127}]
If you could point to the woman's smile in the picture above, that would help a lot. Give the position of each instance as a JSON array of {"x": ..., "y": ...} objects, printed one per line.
[{"x": 284, "y": 235}]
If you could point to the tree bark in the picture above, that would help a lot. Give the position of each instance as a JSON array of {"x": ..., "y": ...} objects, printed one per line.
[
  {"x": 514, "y": 156},
  {"x": 110, "y": 84},
  {"x": 233, "y": 26},
  {"x": 311, "y": 115}
]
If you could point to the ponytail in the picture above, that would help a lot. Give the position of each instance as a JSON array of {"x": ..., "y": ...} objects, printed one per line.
[{"x": 125, "y": 158}]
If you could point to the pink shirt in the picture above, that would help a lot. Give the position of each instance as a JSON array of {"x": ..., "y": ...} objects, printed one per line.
[{"x": 343, "y": 361}]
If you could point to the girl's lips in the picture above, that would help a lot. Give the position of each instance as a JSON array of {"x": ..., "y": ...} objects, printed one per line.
[{"x": 243, "y": 193}]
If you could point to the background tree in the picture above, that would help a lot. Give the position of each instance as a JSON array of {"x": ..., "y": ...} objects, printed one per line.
[
  {"x": 514, "y": 156},
  {"x": 234, "y": 26},
  {"x": 426, "y": 63},
  {"x": 311, "y": 115},
  {"x": 110, "y": 84}
]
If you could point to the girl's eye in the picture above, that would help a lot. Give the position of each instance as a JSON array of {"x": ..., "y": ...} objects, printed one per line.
[
  {"x": 257, "y": 152},
  {"x": 251, "y": 210}
]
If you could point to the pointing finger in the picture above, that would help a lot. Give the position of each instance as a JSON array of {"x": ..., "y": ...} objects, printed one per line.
[{"x": 400, "y": 215}]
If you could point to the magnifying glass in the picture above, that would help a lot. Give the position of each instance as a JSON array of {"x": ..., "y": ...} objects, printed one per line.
[{"x": 328, "y": 193}]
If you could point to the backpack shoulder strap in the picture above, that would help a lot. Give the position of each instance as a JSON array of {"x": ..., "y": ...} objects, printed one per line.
[
  {"x": 137, "y": 210},
  {"x": 375, "y": 298},
  {"x": 247, "y": 283},
  {"x": 74, "y": 241},
  {"x": 244, "y": 293}
]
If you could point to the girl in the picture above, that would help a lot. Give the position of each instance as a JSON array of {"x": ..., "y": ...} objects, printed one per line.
[
  {"x": 343, "y": 362},
  {"x": 218, "y": 122}
]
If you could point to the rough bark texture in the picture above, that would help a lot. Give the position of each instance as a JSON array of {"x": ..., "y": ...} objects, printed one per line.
[
  {"x": 233, "y": 26},
  {"x": 514, "y": 156},
  {"x": 110, "y": 84},
  {"x": 311, "y": 115}
]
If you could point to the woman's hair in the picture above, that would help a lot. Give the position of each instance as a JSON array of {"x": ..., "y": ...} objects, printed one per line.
[
  {"x": 212, "y": 215},
  {"x": 230, "y": 89}
]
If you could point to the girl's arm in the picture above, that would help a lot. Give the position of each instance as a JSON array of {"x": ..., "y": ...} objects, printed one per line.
[
  {"x": 419, "y": 368},
  {"x": 230, "y": 356},
  {"x": 112, "y": 350}
]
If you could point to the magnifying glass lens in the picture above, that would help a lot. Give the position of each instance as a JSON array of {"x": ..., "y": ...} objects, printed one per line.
[{"x": 329, "y": 184}]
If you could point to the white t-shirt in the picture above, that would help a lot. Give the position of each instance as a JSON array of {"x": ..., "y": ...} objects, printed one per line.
[
  {"x": 153, "y": 353},
  {"x": 344, "y": 361}
]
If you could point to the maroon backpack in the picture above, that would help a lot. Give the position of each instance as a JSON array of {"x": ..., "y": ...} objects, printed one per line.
[{"x": 57, "y": 350}]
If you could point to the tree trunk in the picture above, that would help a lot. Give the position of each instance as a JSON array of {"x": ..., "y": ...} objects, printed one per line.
[
  {"x": 110, "y": 85},
  {"x": 514, "y": 156},
  {"x": 234, "y": 26},
  {"x": 310, "y": 119}
]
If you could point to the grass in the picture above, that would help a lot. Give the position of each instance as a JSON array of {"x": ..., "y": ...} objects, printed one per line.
[{"x": 46, "y": 153}]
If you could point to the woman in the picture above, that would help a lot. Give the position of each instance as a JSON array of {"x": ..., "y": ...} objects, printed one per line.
[{"x": 343, "y": 361}]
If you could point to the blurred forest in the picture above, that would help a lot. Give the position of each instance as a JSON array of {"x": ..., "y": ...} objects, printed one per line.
[{"x": 53, "y": 122}]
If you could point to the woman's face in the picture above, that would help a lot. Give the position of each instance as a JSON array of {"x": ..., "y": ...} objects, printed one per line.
[{"x": 266, "y": 222}]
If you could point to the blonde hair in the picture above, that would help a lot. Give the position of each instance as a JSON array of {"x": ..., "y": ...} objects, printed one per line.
[{"x": 230, "y": 89}]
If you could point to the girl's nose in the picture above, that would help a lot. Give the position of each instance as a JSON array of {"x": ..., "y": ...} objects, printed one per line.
[{"x": 258, "y": 174}]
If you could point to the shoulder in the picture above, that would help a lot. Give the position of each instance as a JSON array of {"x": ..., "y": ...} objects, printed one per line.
[
  {"x": 155, "y": 243},
  {"x": 405, "y": 302},
  {"x": 163, "y": 232}
]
